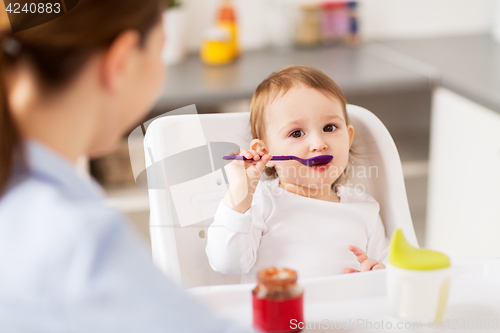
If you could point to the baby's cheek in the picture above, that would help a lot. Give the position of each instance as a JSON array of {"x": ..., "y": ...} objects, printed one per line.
[
  {"x": 335, "y": 171},
  {"x": 341, "y": 159}
]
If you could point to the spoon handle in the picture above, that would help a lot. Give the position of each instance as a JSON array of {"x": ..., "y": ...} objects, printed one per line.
[{"x": 239, "y": 157}]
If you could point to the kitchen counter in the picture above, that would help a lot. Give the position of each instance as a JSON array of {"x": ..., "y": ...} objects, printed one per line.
[
  {"x": 354, "y": 68},
  {"x": 467, "y": 65}
]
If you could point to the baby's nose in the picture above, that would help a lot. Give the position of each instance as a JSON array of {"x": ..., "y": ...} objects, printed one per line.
[{"x": 318, "y": 144}]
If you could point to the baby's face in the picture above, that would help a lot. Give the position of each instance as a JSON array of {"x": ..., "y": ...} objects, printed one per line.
[{"x": 306, "y": 123}]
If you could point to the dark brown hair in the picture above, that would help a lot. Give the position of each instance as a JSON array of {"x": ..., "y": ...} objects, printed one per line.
[{"x": 60, "y": 48}]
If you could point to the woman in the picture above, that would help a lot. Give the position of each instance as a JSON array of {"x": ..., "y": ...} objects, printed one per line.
[{"x": 69, "y": 87}]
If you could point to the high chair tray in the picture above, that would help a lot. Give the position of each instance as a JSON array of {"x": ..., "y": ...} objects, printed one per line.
[{"x": 358, "y": 302}]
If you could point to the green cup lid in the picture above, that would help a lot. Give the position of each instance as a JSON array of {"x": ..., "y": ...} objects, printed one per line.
[{"x": 403, "y": 255}]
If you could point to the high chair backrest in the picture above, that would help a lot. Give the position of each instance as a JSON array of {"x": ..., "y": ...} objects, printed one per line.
[{"x": 181, "y": 211}]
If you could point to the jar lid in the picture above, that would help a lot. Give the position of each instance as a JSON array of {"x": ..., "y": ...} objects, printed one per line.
[
  {"x": 403, "y": 255},
  {"x": 276, "y": 276}
]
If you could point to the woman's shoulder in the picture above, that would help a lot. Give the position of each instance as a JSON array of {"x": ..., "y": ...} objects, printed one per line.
[
  {"x": 54, "y": 224},
  {"x": 36, "y": 201}
]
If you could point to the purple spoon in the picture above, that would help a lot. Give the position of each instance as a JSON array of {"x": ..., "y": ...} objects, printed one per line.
[{"x": 316, "y": 160}]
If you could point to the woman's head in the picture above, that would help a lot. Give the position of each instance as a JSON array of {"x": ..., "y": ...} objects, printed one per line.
[
  {"x": 102, "y": 57},
  {"x": 301, "y": 111}
]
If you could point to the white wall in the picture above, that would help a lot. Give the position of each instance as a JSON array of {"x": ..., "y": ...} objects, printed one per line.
[
  {"x": 388, "y": 19},
  {"x": 260, "y": 21}
]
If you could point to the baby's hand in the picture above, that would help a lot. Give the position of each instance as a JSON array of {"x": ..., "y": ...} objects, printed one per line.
[
  {"x": 366, "y": 263},
  {"x": 246, "y": 174},
  {"x": 243, "y": 177}
]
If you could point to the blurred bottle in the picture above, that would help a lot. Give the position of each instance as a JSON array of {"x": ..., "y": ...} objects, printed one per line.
[
  {"x": 328, "y": 22},
  {"x": 226, "y": 18},
  {"x": 353, "y": 37},
  {"x": 342, "y": 22},
  {"x": 335, "y": 22},
  {"x": 338, "y": 22},
  {"x": 308, "y": 32},
  {"x": 217, "y": 48},
  {"x": 221, "y": 45},
  {"x": 174, "y": 25}
]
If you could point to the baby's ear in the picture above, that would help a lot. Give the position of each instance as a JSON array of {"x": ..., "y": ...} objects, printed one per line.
[
  {"x": 350, "y": 131},
  {"x": 258, "y": 145}
]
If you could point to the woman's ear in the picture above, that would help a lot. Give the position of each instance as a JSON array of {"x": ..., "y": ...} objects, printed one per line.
[
  {"x": 118, "y": 58},
  {"x": 259, "y": 146}
]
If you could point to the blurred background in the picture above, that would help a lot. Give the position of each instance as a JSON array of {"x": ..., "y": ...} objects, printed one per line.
[{"x": 429, "y": 69}]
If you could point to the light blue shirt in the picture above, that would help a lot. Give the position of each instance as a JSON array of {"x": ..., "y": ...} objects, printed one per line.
[{"x": 68, "y": 263}]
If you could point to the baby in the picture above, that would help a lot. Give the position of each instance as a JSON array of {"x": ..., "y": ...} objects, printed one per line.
[{"x": 304, "y": 218}]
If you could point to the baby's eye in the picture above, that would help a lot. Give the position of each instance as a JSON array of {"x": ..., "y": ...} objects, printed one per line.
[
  {"x": 330, "y": 128},
  {"x": 294, "y": 134}
]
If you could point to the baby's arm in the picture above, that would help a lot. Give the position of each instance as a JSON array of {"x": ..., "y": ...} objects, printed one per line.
[
  {"x": 377, "y": 250},
  {"x": 233, "y": 239},
  {"x": 234, "y": 236},
  {"x": 378, "y": 244}
]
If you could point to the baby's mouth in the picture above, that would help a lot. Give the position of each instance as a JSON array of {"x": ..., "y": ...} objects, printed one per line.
[{"x": 321, "y": 167}]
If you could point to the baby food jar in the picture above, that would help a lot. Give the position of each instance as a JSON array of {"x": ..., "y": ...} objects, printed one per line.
[{"x": 277, "y": 301}]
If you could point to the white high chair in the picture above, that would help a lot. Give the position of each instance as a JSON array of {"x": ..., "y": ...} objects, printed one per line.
[{"x": 181, "y": 211}]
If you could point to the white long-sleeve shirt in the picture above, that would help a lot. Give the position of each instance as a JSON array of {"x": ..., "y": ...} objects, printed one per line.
[{"x": 289, "y": 230}]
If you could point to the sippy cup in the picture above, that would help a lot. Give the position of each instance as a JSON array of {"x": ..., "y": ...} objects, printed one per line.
[{"x": 417, "y": 281}]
